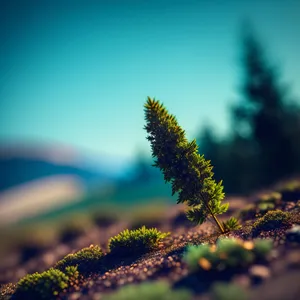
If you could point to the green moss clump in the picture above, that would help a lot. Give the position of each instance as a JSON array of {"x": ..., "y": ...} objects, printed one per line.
[
  {"x": 72, "y": 272},
  {"x": 87, "y": 259},
  {"x": 130, "y": 242},
  {"x": 149, "y": 291},
  {"x": 46, "y": 285},
  {"x": 273, "y": 219},
  {"x": 228, "y": 253}
]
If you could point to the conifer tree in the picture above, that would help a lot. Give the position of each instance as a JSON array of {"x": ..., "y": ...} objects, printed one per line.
[
  {"x": 266, "y": 116},
  {"x": 190, "y": 174}
]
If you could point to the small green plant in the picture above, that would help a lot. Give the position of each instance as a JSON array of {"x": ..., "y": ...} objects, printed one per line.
[
  {"x": 231, "y": 224},
  {"x": 228, "y": 291},
  {"x": 86, "y": 259},
  {"x": 273, "y": 219},
  {"x": 159, "y": 290},
  {"x": 181, "y": 164},
  {"x": 228, "y": 253},
  {"x": 46, "y": 285},
  {"x": 130, "y": 242}
]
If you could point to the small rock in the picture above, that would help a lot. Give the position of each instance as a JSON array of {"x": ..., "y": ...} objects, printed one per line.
[
  {"x": 258, "y": 273},
  {"x": 293, "y": 234},
  {"x": 75, "y": 296}
]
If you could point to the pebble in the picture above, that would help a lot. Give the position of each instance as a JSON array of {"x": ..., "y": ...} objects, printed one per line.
[
  {"x": 75, "y": 296},
  {"x": 259, "y": 273}
]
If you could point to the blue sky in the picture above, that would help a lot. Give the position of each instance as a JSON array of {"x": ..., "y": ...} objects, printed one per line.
[{"x": 79, "y": 72}]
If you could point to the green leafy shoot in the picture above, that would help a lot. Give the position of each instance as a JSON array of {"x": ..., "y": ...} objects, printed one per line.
[
  {"x": 231, "y": 224},
  {"x": 190, "y": 174}
]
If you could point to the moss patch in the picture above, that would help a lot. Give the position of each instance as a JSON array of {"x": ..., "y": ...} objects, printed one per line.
[
  {"x": 274, "y": 219},
  {"x": 132, "y": 242},
  {"x": 88, "y": 259},
  {"x": 46, "y": 285}
]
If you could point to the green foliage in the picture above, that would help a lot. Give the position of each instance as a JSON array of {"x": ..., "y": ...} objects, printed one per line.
[
  {"x": 86, "y": 259},
  {"x": 46, "y": 285},
  {"x": 231, "y": 224},
  {"x": 72, "y": 272},
  {"x": 228, "y": 291},
  {"x": 181, "y": 164},
  {"x": 228, "y": 253},
  {"x": 266, "y": 111},
  {"x": 130, "y": 242},
  {"x": 272, "y": 220},
  {"x": 149, "y": 291},
  {"x": 263, "y": 143}
]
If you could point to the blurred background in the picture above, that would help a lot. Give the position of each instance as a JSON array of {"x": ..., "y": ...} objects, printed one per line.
[{"x": 74, "y": 76}]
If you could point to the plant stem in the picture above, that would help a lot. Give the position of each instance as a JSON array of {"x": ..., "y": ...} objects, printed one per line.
[
  {"x": 216, "y": 220},
  {"x": 213, "y": 215}
]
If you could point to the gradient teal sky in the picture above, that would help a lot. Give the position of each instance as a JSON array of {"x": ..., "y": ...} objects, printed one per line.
[{"x": 79, "y": 72}]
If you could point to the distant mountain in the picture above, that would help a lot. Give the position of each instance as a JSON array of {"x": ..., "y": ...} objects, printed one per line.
[{"x": 19, "y": 165}]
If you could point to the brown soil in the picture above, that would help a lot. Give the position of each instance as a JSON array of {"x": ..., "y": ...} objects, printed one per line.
[{"x": 277, "y": 279}]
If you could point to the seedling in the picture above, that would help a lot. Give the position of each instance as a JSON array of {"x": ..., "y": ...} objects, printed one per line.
[{"x": 181, "y": 164}]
